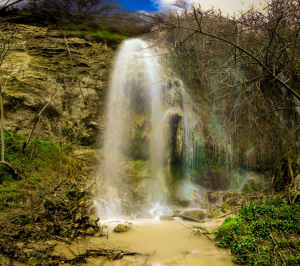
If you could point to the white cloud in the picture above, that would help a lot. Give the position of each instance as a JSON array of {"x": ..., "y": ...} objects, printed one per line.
[
  {"x": 168, "y": 3},
  {"x": 228, "y": 6}
]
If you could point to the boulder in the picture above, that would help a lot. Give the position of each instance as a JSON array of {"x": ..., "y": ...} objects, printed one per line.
[
  {"x": 91, "y": 223},
  {"x": 120, "y": 228},
  {"x": 225, "y": 207},
  {"x": 178, "y": 201},
  {"x": 90, "y": 231},
  {"x": 251, "y": 186},
  {"x": 197, "y": 214},
  {"x": 94, "y": 218},
  {"x": 166, "y": 218}
]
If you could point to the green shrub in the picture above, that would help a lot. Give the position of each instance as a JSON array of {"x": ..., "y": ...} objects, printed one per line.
[{"x": 249, "y": 235}]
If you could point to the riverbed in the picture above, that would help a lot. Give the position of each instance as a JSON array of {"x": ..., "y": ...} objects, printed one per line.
[{"x": 161, "y": 243}]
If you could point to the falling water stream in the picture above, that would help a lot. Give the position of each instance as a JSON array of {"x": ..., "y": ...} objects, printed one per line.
[
  {"x": 144, "y": 109},
  {"x": 134, "y": 95}
]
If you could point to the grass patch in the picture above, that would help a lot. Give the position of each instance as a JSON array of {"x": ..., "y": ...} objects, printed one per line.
[
  {"x": 249, "y": 235},
  {"x": 42, "y": 160},
  {"x": 38, "y": 155},
  {"x": 97, "y": 34}
]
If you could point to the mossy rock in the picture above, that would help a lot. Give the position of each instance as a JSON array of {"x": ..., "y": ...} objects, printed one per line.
[
  {"x": 212, "y": 197},
  {"x": 178, "y": 201},
  {"x": 227, "y": 195},
  {"x": 250, "y": 186},
  {"x": 90, "y": 231},
  {"x": 197, "y": 214},
  {"x": 225, "y": 207},
  {"x": 215, "y": 213},
  {"x": 120, "y": 228}
]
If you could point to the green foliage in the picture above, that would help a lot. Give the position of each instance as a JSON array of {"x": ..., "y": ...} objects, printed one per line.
[
  {"x": 97, "y": 34},
  {"x": 176, "y": 176},
  {"x": 68, "y": 131},
  {"x": 39, "y": 159},
  {"x": 87, "y": 141},
  {"x": 106, "y": 35},
  {"x": 68, "y": 147},
  {"x": 138, "y": 165},
  {"x": 206, "y": 164},
  {"x": 25, "y": 13},
  {"x": 249, "y": 234}
]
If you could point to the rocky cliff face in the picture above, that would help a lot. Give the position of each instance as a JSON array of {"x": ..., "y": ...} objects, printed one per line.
[{"x": 67, "y": 71}]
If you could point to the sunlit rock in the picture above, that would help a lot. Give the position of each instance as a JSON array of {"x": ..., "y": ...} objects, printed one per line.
[
  {"x": 197, "y": 214},
  {"x": 120, "y": 228}
]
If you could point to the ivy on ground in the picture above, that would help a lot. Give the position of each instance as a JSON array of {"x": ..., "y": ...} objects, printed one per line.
[
  {"x": 38, "y": 155},
  {"x": 264, "y": 235},
  {"x": 40, "y": 161}
]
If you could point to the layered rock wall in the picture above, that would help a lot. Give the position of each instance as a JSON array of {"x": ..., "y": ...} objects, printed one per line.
[{"x": 69, "y": 70}]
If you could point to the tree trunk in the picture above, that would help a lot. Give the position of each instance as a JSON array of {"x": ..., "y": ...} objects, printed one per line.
[{"x": 2, "y": 126}]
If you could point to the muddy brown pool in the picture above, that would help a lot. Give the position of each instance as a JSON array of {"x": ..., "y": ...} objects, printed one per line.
[{"x": 162, "y": 243}]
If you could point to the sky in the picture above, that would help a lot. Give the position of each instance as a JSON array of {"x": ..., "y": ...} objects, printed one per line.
[{"x": 228, "y": 6}]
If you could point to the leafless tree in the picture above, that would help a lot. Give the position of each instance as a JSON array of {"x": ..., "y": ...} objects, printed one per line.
[
  {"x": 6, "y": 4},
  {"x": 78, "y": 11},
  {"x": 245, "y": 71},
  {"x": 10, "y": 67}
]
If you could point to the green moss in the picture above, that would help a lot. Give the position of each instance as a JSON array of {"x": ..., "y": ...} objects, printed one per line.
[
  {"x": 68, "y": 132},
  {"x": 38, "y": 154},
  {"x": 197, "y": 214},
  {"x": 98, "y": 34},
  {"x": 138, "y": 165},
  {"x": 25, "y": 13},
  {"x": 176, "y": 176},
  {"x": 39, "y": 160},
  {"x": 225, "y": 207},
  {"x": 249, "y": 235},
  {"x": 103, "y": 34}
]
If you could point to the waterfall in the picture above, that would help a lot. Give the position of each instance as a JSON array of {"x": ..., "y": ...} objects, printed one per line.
[{"x": 145, "y": 131}]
